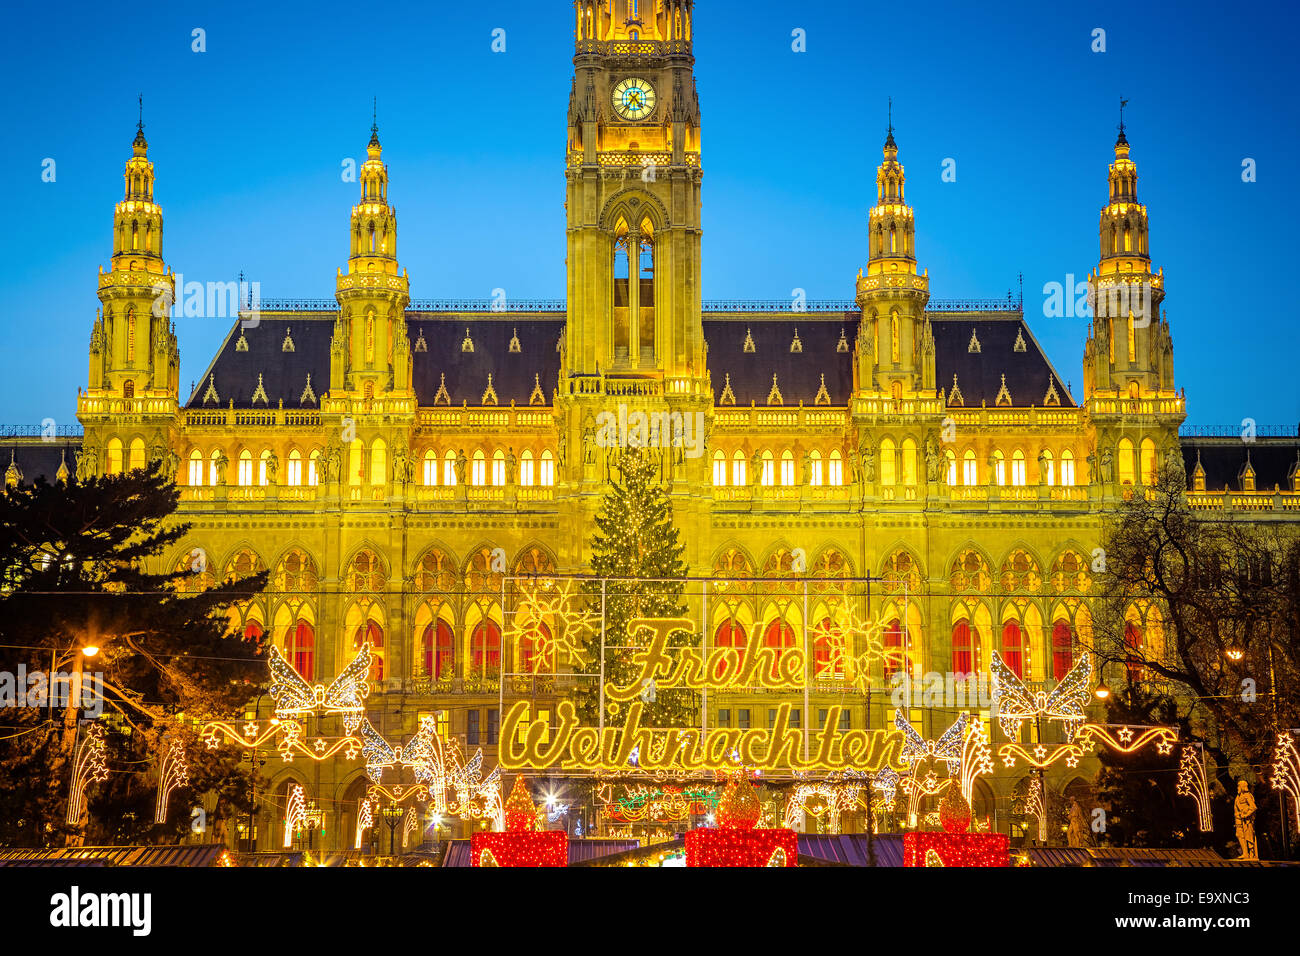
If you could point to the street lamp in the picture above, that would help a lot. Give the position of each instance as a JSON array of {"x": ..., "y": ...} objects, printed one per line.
[
  {"x": 90, "y": 650},
  {"x": 392, "y": 816}
]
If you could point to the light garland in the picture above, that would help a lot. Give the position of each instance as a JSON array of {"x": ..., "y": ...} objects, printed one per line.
[
  {"x": 172, "y": 774},
  {"x": 88, "y": 766},
  {"x": 365, "y": 819},
  {"x": 410, "y": 823},
  {"x": 345, "y": 696},
  {"x": 295, "y": 814},
  {"x": 976, "y": 759},
  {"x": 520, "y": 844},
  {"x": 842, "y": 636},
  {"x": 1015, "y": 704},
  {"x": 837, "y": 797},
  {"x": 1034, "y": 807},
  {"x": 1286, "y": 770},
  {"x": 1122, "y": 738},
  {"x": 947, "y": 748},
  {"x": 886, "y": 780},
  {"x": 1192, "y": 782},
  {"x": 734, "y": 848},
  {"x": 956, "y": 849}
]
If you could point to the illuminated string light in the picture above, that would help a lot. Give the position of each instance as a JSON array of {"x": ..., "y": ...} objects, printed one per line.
[
  {"x": 296, "y": 813},
  {"x": 553, "y": 620},
  {"x": 365, "y": 819},
  {"x": 410, "y": 824},
  {"x": 345, "y": 696},
  {"x": 736, "y": 842},
  {"x": 956, "y": 849},
  {"x": 1192, "y": 782},
  {"x": 520, "y": 844},
  {"x": 932, "y": 858},
  {"x": 1122, "y": 738},
  {"x": 1064, "y": 703},
  {"x": 886, "y": 780},
  {"x": 947, "y": 748},
  {"x": 853, "y": 644},
  {"x": 976, "y": 759},
  {"x": 88, "y": 766},
  {"x": 172, "y": 774},
  {"x": 1286, "y": 770},
  {"x": 1034, "y": 807}
]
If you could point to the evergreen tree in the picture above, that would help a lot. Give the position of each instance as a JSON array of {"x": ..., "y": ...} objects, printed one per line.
[
  {"x": 72, "y": 568},
  {"x": 636, "y": 539}
]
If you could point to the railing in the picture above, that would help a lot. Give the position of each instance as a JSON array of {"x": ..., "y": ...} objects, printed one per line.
[
  {"x": 1005, "y": 417},
  {"x": 1170, "y": 405},
  {"x": 535, "y": 305},
  {"x": 1235, "y": 431},
  {"x": 632, "y": 48},
  {"x": 39, "y": 431},
  {"x": 251, "y": 417},
  {"x": 87, "y": 405}
]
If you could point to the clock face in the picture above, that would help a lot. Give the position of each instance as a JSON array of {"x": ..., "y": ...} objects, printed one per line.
[{"x": 634, "y": 98}]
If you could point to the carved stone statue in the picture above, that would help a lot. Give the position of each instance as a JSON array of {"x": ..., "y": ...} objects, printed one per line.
[
  {"x": 1042, "y": 467},
  {"x": 272, "y": 468},
  {"x": 461, "y": 463},
  {"x": 756, "y": 469},
  {"x": 87, "y": 463},
  {"x": 807, "y": 468},
  {"x": 855, "y": 473},
  {"x": 333, "y": 461},
  {"x": 589, "y": 440},
  {"x": 1078, "y": 833},
  {"x": 1174, "y": 465},
  {"x": 511, "y": 464},
  {"x": 868, "y": 463},
  {"x": 562, "y": 455},
  {"x": 933, "y": 461},
  {"x": 1092, "y": 467},
  {"x": 222, "y": 464},
  {"x": 1107, "y": 466},
  {"x": 402, "y": 466},
  {"x": 1243, "y": 811},
  {"x": 171, "y": 465}
]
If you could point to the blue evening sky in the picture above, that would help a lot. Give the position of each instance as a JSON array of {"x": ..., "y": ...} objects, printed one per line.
[{"x": 248, "y": 140}]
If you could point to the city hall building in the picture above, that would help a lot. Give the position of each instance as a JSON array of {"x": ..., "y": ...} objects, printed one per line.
[{"x": 398, "y": 463}]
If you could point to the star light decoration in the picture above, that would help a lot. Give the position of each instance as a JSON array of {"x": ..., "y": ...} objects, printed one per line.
[
  {"x": 553, "y": 619},
  {"x": 838, "y": 793},
  {"x": 1286, "y": 769},
  {"x": 172, "y": 774},
  {"x": 295, "y": 814},
  {"x": 916, "y": 750},
  {"x": 365, "y": 819},
  {"x": 886, "y": 781},
  {"x": 1034, "y": 807},
  {"x": 88, "y": 766},
  {"x": 1192, "y": 783},
  {"x": 848, "y": 631},
  {"x": 296, "y": 700},
  {"x": 976, "y": 759}
]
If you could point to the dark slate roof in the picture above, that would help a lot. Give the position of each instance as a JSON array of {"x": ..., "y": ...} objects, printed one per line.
[
  {"x": 979, "y": 374},
  {"x": 514, "y": 374},
  {"x": 36, "y": 458},
  {"x": 1223, "y": 459},
  {"x": 284, "y": 374},
  {"x": 798, "y": 374}
]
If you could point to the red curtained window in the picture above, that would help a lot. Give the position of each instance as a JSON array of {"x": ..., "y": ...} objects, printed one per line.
[
  {"x": 1013, "y": 648},
  {"x": 1133, "y": 642},
  {"x": 300, "y": 648},
  {"x": 438, "y": 651},
  {"x": 485, "y": 648},
  {"x": 372, "y": 632},
  {"x": 828, "y": 634},
  {"x": 965, "y": 648},
  {"x": 730, "y": 633},
  {"x": 895, "y": 649},
  {"x": 779, "y": 636},
  {"x": 1062, "y": 649},
  {"x": 528, "y": 652}
]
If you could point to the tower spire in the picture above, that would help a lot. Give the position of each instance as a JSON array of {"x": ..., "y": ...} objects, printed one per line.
[
  {"x": 140, "y": 143},
  {"x": 889, "y": 138},
  {"x": 1122, "y": 138},
  {"x": 374, "y": 122}
]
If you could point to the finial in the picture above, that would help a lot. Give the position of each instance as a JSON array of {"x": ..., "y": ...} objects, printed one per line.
[
  {"x": 889, "y": 139},
  {"x": 374, "y": 122},
  {"x": 140, "y": 102},
  {"x": 1122, "y": 138},
  {"x": 140, "y": 143}
]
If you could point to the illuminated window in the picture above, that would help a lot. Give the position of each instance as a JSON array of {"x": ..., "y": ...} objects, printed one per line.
[
  {"x": 354, "y": 462},
  {"x": 999, "y": 467},
  {"x": 313, "y": 468},
  {"x": 738, "y": 464},
  {"x": 769, "y": 470},
  {"x": 485, "y": 649},
  {"x": 888, "y": 463},
  {"x": 1148, "y": 462},
  {"x": 1018, "y": 468},
  {"x": 196, "y": 467},
  {"x": 438, "y": 651},
  {"x": 731, "y": 633},
  {"x": 526, "y": 464},
  {"x": 498, "y": 468},
  {"x": 295, "y": 468},
  {"x": 378, "y": 462},
  {"x": 719, "y": 469},
  {"x": 779, "y": 636},
  {"x": 431, "y": 467},
  {"x": 969, "y": 472},
  {"x": 815, "y": 465},
  {"x": 114, "y": 462},
  {"x": 1133, "y": 659},
  {"x": 449, "y": 468},
  {"x": 372, "y": 633},
  {"x": 965, "y": 648},
  {"x": 262, "y": 476},
  {"x": 212, "y": 465},
  {"x": 909, "y": 462},
  {"x": 245, "y": 468},
  {"x": 951, "y": 466},
  {"x": 300, "y": 648},
  {"x": 1062, "y": 649},
  {"x": 1013, "y": 647},
  {"x": 1126, "y": 473},
  {"x": 835, "y": 469},
  {"x": 895, "y": 649},
  {"x": 478, "y": 469},
  {"x": 826, "y": 664},
  {"x": 1067, "y": 468},
  {"x": 135, "y": 457},
  {"x": 787, "y": 468},
  {"x": 547, "y": 468}
]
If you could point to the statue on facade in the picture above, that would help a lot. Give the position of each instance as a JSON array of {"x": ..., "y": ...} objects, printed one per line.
[
  {"x": 868, "y": 463},
  {"x": 171, "y": 465},
  {"x": 589, "y": 440},
  {"x": 855, "y": 473},
  {"x": 1174, "y": 466},
  {"x": 157, "y": 451},
  {"x": 1078, "y": 834},
  {"x": 1107, "y": 466},
  {"x": 401, "y": 464},
  {"x": 272, "y": 468},
  {"x": 461, "y": 463},
  {"x": 1042, "y": 467},
  {"x": 333, "y": 461},
  {"x": 1243, "y": 811},
  {"x": 756, "y": 468},
  {"x": 933, "y": 460},
  {"x": 807, "y": 468},
  {"x": 221, "y": 464},
  {"x": 87, "y": 463},
  {"x": 1092, "y": 466},
  {"x": 511, "y": 463}
]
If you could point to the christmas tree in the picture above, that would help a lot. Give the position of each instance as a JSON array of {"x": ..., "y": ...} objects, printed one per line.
[
  {"x": 76, "y": 596},
  {"x": 635, "y": 540}
]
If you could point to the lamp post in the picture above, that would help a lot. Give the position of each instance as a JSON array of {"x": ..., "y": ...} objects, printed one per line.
[{"x": 392, "y": 816}]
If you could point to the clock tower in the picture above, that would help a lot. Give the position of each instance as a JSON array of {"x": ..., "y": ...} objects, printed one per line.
[{"x": 633, "y": 197}]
